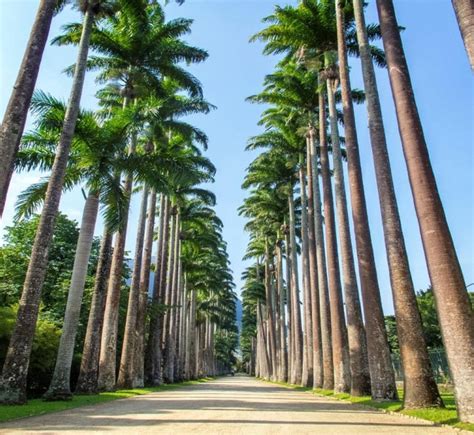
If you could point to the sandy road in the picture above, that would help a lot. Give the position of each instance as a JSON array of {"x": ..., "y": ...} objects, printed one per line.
[{"x": 232, "y": 405}]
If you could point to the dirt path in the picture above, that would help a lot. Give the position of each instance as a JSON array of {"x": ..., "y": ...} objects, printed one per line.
[{"x": 232, "y": 405}]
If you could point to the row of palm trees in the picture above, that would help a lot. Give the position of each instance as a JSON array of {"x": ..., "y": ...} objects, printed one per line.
[
  {"x": 136, "y": 142},
  {"x": 325, "y": 335}
]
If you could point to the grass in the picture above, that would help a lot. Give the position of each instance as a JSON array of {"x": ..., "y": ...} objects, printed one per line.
[
  {"x": 40, "y": 407},
  {"x": 446, "y": 415}
]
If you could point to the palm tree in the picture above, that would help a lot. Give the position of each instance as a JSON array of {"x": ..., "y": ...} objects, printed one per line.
[
  {"x": 151, "y": 49},
  {"x": 95, "y": 156},
  {"x": 89, "y": 370},
  {"x": 464, "y": 10},
  {"x": 360, "y": 377},
  {"x": 162, "y": 112},
  {"x": 454, "y": 310},
  {"x": 16, "y": 112},
  {"x": 311, "y": 28},
  {"x": 420, "y": 388},
  {"x": 13, "y": 379}
]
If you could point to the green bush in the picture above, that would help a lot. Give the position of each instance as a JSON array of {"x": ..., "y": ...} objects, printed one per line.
[{"x": 43, "y": 355}]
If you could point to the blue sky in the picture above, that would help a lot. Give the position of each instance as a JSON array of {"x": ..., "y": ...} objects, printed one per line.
[{"x": 441, "y": 77}]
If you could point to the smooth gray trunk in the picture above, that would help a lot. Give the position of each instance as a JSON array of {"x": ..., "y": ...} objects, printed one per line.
[
  {"x": 15, "y": 368},
  {"x": 89, "y": 372},
  {"x": 126, "y": 376},
  {"x": 16, "y": 112},
  {"x": 60, "y": 386},
  {"x": 108, "y": 346},
  {"x": 144, "y": 291}
]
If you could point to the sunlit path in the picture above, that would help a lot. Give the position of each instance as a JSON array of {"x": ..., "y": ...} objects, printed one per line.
[{"x": 231, "y": 405}]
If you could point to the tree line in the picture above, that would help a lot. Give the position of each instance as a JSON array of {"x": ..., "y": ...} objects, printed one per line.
[
  {"x": 320, "y": 329},
  {"x": 176, "y": 324}
]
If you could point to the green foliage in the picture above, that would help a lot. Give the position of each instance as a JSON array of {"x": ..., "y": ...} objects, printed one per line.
[
  {"x": 14, "y": 258},
  {"x": 15, "y": 255},
  {"x": 45, "y": 345},
  {"x": 429, "y": 318}
]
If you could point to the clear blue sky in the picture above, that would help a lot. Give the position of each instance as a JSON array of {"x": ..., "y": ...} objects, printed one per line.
[{"x": 235, "y": 69}]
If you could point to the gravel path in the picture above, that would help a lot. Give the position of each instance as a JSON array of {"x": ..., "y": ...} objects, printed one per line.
[{"x": 231, "y": 405}]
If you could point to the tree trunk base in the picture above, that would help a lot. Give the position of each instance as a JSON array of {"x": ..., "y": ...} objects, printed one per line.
[
  {"x": 12, "y": 396},
  {"x": 57, "y": 395}
]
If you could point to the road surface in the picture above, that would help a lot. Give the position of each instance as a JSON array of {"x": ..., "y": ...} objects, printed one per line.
[{"x": 230, "y": 405}]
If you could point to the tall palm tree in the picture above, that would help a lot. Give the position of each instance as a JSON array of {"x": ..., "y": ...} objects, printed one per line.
[
  {"x": 15, "y": 368},
  {"x": 310, "y": 27},
  {"x": 420, "y": 388},
  {"x": 151, "y": 49},
  {"x": 17, "y": 109},
  {"x": 454, "y": 310},
  {"x": 95, "y": 156},
  {"x": 89, "y": 370}
]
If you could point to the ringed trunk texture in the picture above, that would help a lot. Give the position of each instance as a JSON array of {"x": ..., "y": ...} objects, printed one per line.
[
  {"x": 342, "y": 375},
  {"x": 270, "y": 314},
  {"x": 126, "y": 376},
  {"x": 295, "y": 300},
  {"x": 108, "y": 346},
  {"x": 326, "y": 333},
  {"x": 16, "y": 112},
  {"x": 168, "y": 366},
  {"x": 380, "y": 365},
  {"x": 290, "y": 322},
  {"x": 283, "y": 372},
  {"x": 143, "y": 298},
  {"x": 15, "y": 368},
  {"x": 464, "y": 10},
  {"x": 153, "y": 371},
  {"x": 89, "y": 372},
  {"x": 419, "y": 385},
  {"x": 307, "y": 373},
  {"x": 360, "y": 376},
  {"x": 313, "y": 263},
  {"x": 452, "y": 301},
  {"x": 60, "y": 387}
]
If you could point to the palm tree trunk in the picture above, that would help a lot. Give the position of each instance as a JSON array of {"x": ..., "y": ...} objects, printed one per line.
[
  {"x": 15, "y": 368},
  {"x": 262, "y": 344},
  {"x": 169, "y": 289},
  {"x": 108, "y": 346},
  {"x": 172, "y": 319},
  {"x": 126, "y": 374},
  {"x": 144, "y": 291},
  {"x": 60, "y": 386},
  {"x": 295, "y": 302},
  {"x": 88, "y": 374},
  {"x": 290, "y": 322},
  {"x": 193, "y": 338},
  {"x": 342, "y": 374},
  {"x": 452, "y": 302},
  {"x": 315, "y": 243},
  {"x": 270, "y": 314},
  {"x": 380, "y": 365},
  {"x": 420, "y": 387},
  {"x": 360, "y": 376},
  {"x": 153, "y": 371},
  {"x": 182, "y": 336},
  {"x": 283, "y": 373},
  {"x": 16, "y": 112},
  {"x": 326, "y": 333},
  {"x": 307, "y": 372},
  {"x": 464, "y": 10}
]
